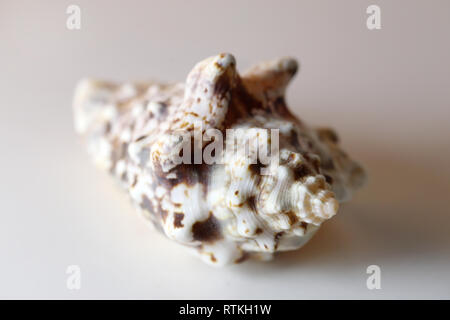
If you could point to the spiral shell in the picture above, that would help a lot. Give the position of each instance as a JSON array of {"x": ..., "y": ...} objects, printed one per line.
[{"x": 240, "y": 207}]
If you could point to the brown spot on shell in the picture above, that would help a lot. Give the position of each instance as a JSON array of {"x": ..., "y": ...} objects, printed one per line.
[
  {"x": 222, "y": 85},
  {"x": 188, "y": 174},
  {"x": 135, "y": 180},
  {"x": 256, "y": 168},
  {"x": 304, "y": 225},
  {"x": 218, "y": 65},
  {"x": 244, "y": 256},
  {"x": 328, "y": 179},
  {"x": 291, "y": 157},
  {"x": 207, "y": 230},
  {"x": 301, "y": 172},
  {"x": 277, "y": 239},
  {"x": 251, "y": 201},
  {"x": 193, "y": 113},
  {"x": 293, "y": 219},
  {"x": 177, "y": 222}
]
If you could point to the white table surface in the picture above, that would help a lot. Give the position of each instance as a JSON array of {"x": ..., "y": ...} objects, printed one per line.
[{"x": 386, "y": 92}]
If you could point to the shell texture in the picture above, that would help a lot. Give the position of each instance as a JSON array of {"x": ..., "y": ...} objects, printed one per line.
[{"x": 227, "y": 211}]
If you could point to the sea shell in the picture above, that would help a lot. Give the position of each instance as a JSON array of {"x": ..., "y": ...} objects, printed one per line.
[{"x": 233, "y": 209}]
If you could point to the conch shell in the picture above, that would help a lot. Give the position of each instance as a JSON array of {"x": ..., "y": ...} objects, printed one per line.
[{"x": 230, "y": 210}]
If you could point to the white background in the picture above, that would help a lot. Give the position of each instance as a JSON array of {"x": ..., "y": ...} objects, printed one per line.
[{"x": 386, "y": 92}]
